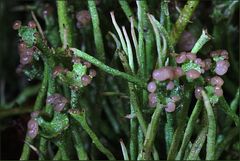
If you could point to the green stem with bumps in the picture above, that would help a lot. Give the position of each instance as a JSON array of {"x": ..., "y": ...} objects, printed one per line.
[
  {"x": 57, "y": 156},
  {"x": 164, "y": 15},
  {"x": 226, "y": 141},
  {"x": 135, "y": 109},
  {"x": 37, "y": 106},
  {"x": 81, "y": 118},
  {"x": 165, "y": 33},
  {"x": 141, "y": 47},
  {"x": 151, "y": 133},
  {"x": 189, "y": 129},
  {"x": 108, "y": 69},
  {"x": 65, "y": 24},
  {"x": 96, "y": 30},
  {"x": 231, "y": 114},
  {"x": 48, "y": 108},
  {"x": 77, "y": 140},
  {"x": 211, "y": 135},
  {"x": 183, "y": 20},
  {"x": 161, "y": 57},
  {"x": 178, "y": 134},
  {"x": 204, "y": 38},
  {"x": 127, "y": 10},
  {"x": 197, "y": 145},
  {"x": 169, "y": 130},
  {"x": 233, "y": 107}
]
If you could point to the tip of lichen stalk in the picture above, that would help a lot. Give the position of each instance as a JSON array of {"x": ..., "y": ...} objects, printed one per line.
[
  {"x": 112, "y": 13},
  {"x": 207, "y": 34},
  {"x": 149, "y": 15},
  {"x": 121, "y": 140},
  {"x": 130, "y": 116}
]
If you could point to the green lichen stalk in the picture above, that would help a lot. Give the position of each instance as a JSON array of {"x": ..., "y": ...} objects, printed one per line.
[{"x": 119, "y": 80}]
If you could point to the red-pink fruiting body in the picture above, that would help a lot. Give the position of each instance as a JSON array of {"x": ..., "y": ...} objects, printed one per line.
[
  {"x": 151, "y": 87},
  {"x": 217, "y": 81},
  {"x": 170, "y": 107},
  {"x": 16, "y": 25},
  {"x": 170, "y": 85},
  {"x": 86, "y": 80},
  {"x": 222, "y": 67},
  {"x": 193, "y": 74},
  {"x": 163, "y": 74}
]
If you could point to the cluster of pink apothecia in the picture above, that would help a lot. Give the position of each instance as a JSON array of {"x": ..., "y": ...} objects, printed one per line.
[{"x": 217, "y": 65}]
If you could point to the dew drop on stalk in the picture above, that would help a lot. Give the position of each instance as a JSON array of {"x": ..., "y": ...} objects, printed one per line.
[
  {"x": 193, "y": 74},
  {"x": 151, "y": 87},
  {"x": 217, "y": 81}
]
